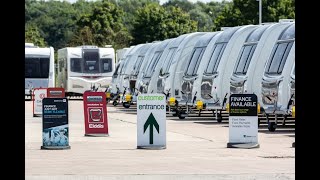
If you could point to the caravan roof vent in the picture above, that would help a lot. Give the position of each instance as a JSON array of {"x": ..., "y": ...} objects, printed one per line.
[
  {"x": 108, "y": 46},
  {"x": 285, "y": 20}
]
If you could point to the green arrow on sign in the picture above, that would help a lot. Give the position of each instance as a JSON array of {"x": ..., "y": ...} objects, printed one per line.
[{"x": 152, "y": 122}]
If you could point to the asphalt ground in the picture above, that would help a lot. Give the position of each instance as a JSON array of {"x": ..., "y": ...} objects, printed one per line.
[{"x": 196, "y": 148}]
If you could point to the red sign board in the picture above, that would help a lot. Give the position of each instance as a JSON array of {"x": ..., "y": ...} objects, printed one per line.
[
  {"x": 55, "y": 92},
  {"x": 95, "y": 113}
]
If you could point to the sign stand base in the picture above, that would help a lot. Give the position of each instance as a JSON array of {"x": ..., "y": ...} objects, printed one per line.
[
  {"x": 243, "y": 145},
  {"x": 151, "y": 147},
  {"x": 294, "y": 144},
  {"x": 55, "y": 147},
  {"x": 96, "y": 135}
]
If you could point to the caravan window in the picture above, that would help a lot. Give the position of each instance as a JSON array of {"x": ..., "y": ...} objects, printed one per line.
[
  {"x": 215, "y": 58},
  {"x": 137, "y": 65},
  {"x": 75, "y": 64},
  {"x": 106, "y": 65},
  {"x": 278, "y": 57},
  {"x": 168, "y": 60},
  {"x": 152, "y": 65},
  {"x": 115, "y": 74},
  {"x": 91, "y": 62},
  {"x": 244, "y": 59},
  {"x": 195, "y": 61},
  {"x": 36, "y": 67},
  {"x": 126, "y": 62}
]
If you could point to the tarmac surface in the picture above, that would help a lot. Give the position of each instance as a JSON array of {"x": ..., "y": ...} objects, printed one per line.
[{"x": 196, "y": 149}]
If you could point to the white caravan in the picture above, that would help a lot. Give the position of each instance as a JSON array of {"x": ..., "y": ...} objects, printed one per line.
[
  {"x": 127, "y": 67},
  {"x": 120, "y": 53},
  {"x": 148, "y": 66},
  {"x": 292, "y": 92},
  {"x": 38, "y": 68},
  {"x": 115, "y": 82},
  {"x": 155, "y": 85},
  {"x": 276, "y": 77},
  {"x": 129, "y": 81},
  {"x": 212, "y": 86},
  {"x": 188, "y": 71},
  {"x": 168, "y": 79},
  {"x": 85, "y": 68},
  {"x": 247, "y": 74}
]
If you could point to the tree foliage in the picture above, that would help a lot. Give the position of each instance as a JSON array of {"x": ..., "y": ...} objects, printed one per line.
[
  {"x": 32, "y": 35},
  {"x": 242, "y": 12},
  {"x": 127, "y": 22},
  {"x": 154, "y": 22},
  {"x": 103, "y": 27}
]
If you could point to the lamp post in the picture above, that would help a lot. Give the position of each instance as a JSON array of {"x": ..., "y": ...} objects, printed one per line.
[{"x": 260, "y": 11}]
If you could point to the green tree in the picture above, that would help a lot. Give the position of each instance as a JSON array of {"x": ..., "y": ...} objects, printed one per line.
[
  {"x": 32, "y": 35},
  {"x": 185, "y": 5},
  {"x": 104, "y": 25},
  {"x": 129, "y": 8},
  {"x": 242, "y": 12},
  {"x": 154, "y": 22},
  {"x": 56, "y": 20}
]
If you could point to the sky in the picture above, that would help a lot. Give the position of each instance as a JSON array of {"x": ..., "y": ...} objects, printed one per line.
[{"x": 164, "y": 1}]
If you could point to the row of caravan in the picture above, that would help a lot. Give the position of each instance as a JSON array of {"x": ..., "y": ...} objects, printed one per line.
[{"x": 199, "y": 71}]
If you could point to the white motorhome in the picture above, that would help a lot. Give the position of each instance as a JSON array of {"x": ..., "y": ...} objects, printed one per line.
[
  {"x": 212, "y": 86},
  {"x": 155, "y": 85},
  {"x": 276, "y": 77},
  {"x": 39, "y": 68},
  {"x": 247, "y": 74},
  {"x": 85, "y": 68}
]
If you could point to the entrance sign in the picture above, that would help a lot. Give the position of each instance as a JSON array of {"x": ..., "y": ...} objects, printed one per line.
[
  {"x": 151, "y": 121},
  {"x": 37, "y": 96},
  {"x": 55, "y": 127},
  {"x": 95, "y": 114},
  {"x": 243, "y": 121}
]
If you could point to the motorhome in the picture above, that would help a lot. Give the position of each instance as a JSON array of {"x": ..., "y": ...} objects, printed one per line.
[
  {"x": 39, "y": 69},
  {"x": 276, "y": 77},
  {"x": 85, "y": 68}
]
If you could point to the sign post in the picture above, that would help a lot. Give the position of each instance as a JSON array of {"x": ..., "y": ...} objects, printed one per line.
[
  {"x": 243, "y": 121},
  {"x": 151, "y": 121},
  {"x": 95, "y": 113},
  {"x": 37, "y": 96},
  {"x": 55, "y": 127}
]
